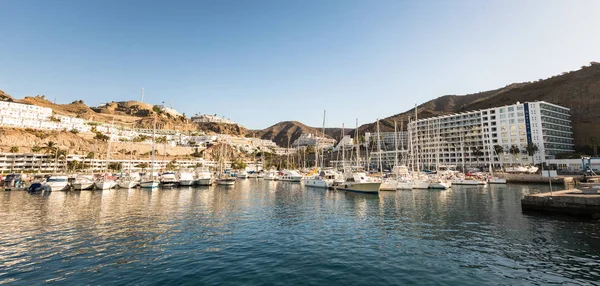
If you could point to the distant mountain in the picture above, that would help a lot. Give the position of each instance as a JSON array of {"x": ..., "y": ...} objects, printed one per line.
[
  {"x": 286, "y": 132},
  {"x": 578, "y": 90}
]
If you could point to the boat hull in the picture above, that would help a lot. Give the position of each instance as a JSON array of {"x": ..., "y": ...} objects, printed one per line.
[
  {"x": 149, "y": 184},
  {"x": 316, "y": 183},
  {"x": 291, "y": 179},
  {"x": 389, "y": 185},
  {"x": 226, "y": 182},
  {"x": 127, "y": 184},
  {"x": 82, "y": 186},
  {"x": 186, "y": 182},
  {"x": 58, "y": 187},
  {"x": 203, "y": 182},
  {"x": 104, "y": 185},
  {"x": 405, "y": 185},
  {"x": 370, "y": 188},
  {"x": 420, "y": 185}
]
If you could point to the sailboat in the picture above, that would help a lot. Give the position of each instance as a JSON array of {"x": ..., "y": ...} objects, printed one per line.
[
  {"x": 131, "y": 180},
  {"x": 223, "y": 178},
  {"x": 356, "y": 180},
  {"x": 107, "y": 181},
  {"x": 150, "y": 182},
  {"x": 491, "y": 179}
]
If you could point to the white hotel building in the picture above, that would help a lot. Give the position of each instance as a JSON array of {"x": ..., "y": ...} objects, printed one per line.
[{"x": 455, "y": 139}]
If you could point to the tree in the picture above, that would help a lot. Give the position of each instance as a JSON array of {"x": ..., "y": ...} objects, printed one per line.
[
  {"x": 238, "y": 164},
  {"x": 90, "y": 156},
  {"x": 142, "y": 166},
  {"x": 499, "y": 150},
  {"x": 14, "y": 149},
  {"x": 101, "y": 137},
  {"x": 531, "y": 150},
  {"x": 171, "y": 165},
  {"x": 115, "y": 166},
  {"x": 514, "y": 150},
  {"x": 50, "y": 148},
  {"x": 477, "y": 152},
  {"x": 36, "y": 149}
]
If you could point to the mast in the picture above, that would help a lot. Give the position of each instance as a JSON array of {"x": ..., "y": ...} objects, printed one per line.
[
  {"x": 417, "y": 163},
  {"x": 108, "y": 147},
  {"x": 395, "y": 144},
  {"x": 343, "y": 151},
  {"x": 153, "y": 136},
  {"x": 379, "y": 147},
  {"x": 322, "y": 149},
  {"x": 357, "y": 145}
]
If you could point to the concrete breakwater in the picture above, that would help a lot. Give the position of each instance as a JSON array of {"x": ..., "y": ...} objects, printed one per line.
[{"x": 573, "y": 202}]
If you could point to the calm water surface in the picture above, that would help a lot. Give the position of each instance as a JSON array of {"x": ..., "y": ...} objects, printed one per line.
[{"x": 265, "y": 232}]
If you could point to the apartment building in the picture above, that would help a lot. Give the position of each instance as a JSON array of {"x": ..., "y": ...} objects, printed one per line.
[
  {"x": 469, "y": 138},
  {"x": 307, "y": 139},
  {"x": 387, "y": 140}
]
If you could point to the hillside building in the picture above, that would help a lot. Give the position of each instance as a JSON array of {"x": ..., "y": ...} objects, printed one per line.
[
  {"x": 469, "y": 137},
  {"x": 313, "y": 140},
  {"x": 387, "y": 141},
  {"x": 203, "y": 118}
]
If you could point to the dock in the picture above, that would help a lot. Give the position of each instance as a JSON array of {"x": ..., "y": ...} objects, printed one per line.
[
  {"x": 571, "y": 202},
  {"x": 536, "y": 178}
]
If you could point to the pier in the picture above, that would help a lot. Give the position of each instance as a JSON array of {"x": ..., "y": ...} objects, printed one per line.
[{"x": 572, "y": 202}]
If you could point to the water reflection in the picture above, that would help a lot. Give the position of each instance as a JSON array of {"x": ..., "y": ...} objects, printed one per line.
[{"x": 279, "y": 232}]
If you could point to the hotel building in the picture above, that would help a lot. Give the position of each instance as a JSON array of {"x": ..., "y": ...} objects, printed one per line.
[{"x": 468, "y": 138}]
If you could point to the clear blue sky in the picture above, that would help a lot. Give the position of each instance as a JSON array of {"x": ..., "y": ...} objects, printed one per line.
[{"x": 261, "y": 62}]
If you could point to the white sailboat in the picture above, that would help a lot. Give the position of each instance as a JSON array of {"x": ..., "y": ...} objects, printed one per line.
[
  {"x": 223, "y": 178},
  {"x": 203, "y": 177},
  {"x": 150, "y": 182},
  {"x": 106, "y": 181},
  {"x": 83, "y": 182},
  {"x": 357, "y": 180}
]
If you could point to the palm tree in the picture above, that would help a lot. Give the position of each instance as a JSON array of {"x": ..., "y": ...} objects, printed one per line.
[
  {"x": 498, "y": 149},
  {"x": 594, "y": 144},
  {"x": 50, "y": 148},
  {"x": 477, "y": 152},
  {"x": 143, "y": 166},
  {"x": 13, "y": 150},
  {"x": 90, "y": 156},
  {"x": 531, "y": 150},
  {"x": 36, "y": 149},
  {"x": 514, "y": 150},
  {"x": 61, "y": 154}
]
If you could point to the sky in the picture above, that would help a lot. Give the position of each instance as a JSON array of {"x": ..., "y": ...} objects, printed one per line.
[{"x": 265, "y": 61}]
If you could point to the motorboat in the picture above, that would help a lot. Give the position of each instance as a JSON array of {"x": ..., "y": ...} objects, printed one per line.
[
  {"x": 242, "y": 175},
  {"x": 13, "y": 182},
  {"x": 358, "y": 182},
  {"x": 149, "y": 183},
  {"x": 83, "y": 182},
  {"x": 389, "y": 184},
  {"x": 58, "y": 183},
  {"x": 203, "y": 177},
  {"x": 290, "y": 176},
  {"x": 271, "y": 176},
  {"x": 468, "y": 181},
  {"x": 185, "y": 178},
  {"x": 168, "y": 180},
  {"x": 327, "y": 178}
]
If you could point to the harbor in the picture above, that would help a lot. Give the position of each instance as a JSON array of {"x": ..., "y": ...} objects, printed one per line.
[{"x": 277, "y": 231}]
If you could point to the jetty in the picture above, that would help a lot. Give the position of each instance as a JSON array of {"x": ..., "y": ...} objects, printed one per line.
[{"x": 572, "y": 202}]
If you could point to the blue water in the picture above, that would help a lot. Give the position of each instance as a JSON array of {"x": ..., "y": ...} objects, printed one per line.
[{"x": 265, "y": 232}]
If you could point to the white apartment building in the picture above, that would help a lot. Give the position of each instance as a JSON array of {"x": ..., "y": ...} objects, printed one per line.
[
  {"x": 200, "y": 118},
  {"x": 168, "y": 110},
  {"x": 387, "y": 142},
  {"x": 468, "y": 138},
  {"x": 313, "y": 140}
]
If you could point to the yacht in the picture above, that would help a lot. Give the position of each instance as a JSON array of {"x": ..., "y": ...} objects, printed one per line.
[
  {"x": 105, "y": 183},
  {"x": 148, "y": 183},
  {"x": 467, "y": 181},
  {"x": 58, "y": 183},
  {"x": 168, "y": 180},
  {"x": 404, "y": 184},
  {"x": 389, "y": 184},
  {"x": 129, "y": 182},
  {"x": 225, "y": 179},
  {"x": 242, "y": 174},
  {"x": 290, "y": 176},
  {"x": 185, "y": 177},
  {"x": 327, "y": 178},
  {"x": 439, "y": 183},
  {"x": 358, "y": 182},
  {"x": 83, "y": 182},
  {"x": 203, "y": 177},
  {"x": 271, "y": 176}
]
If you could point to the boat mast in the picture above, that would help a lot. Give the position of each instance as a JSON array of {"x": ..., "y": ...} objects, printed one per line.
[
  {"x": 417, "y": 137},
  {"x": 395, "y": 144},
  {"x": 322, "y": 150},
  {"x": 153, "y": 138},
  {"x": 379, "y": 148},
  {"x": 343, "y": 151},
  {"x": 357, "y": 145}
]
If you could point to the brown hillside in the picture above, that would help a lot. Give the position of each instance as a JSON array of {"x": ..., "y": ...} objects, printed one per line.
[{"x": 284, "y": 133}]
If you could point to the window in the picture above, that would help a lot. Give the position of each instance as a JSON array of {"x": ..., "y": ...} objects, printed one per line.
[
  {"x": 510, "y": 109},
  {"x": 502, "y": 116},
  {"x": 520, "y": 107},
  {"x": 511, "y": 121},
  {"x": 521, "y": 120},
  {"x": 501, "y": 110},
  {"x": 511, "y": 115}
]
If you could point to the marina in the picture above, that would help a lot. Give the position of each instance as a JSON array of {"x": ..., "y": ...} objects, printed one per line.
[{"x": 274, "y": 232}]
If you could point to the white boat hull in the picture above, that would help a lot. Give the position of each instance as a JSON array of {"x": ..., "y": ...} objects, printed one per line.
[
  {"x": 203, "y": 182},
  {"x": 370, "y": 188},
  {"x": 149, "y": 184},
  {"x": 439, "y": 185},
  {"x": 468, "y": 182},
  {"x": 496, "y": 181},
  {"x": 82, "y": 186},
  {"x": 420, "y": 185},
  {"x": 389, "y": 185},
  {"x": 226, "y": 182},
  {"x": 405, "y": 185},
  {"x": 291, "y": 179},
  {"x": 127, "y": 184},
  {"x": 58, "y": 186},
  {"x": 186, "y": 182},
  {"x": 105, "y": 185},
  {"x": 316, "y": 183}
]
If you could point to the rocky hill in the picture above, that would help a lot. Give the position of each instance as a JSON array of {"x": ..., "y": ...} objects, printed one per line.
[
  {"x": 578, "y": 90},
  {"x": 286, "y": 132},
  {"x": 222, "y": 128}
]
